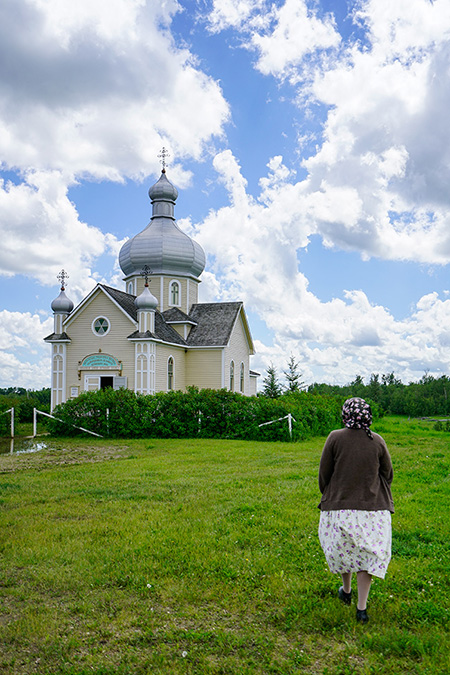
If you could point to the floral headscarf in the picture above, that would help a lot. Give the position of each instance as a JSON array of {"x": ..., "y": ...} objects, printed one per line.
[{"x": 356, "y": 414}]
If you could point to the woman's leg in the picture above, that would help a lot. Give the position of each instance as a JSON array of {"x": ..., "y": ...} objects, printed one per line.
[
  {"x": 347, "y": 582},
  {"x": 364, "y": 581}
]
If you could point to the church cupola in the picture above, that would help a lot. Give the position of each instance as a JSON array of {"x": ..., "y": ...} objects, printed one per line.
[
  {"x": 162, "y": 245},
  {"x": 146, "y": 304},
  {"x": 62, "y": 305}
]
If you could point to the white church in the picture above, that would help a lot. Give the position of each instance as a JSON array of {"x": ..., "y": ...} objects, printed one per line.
[{"x": 154, "y": 335}]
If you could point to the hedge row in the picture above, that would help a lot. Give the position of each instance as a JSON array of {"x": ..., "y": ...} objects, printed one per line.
[{"x": 202, "y": 413}]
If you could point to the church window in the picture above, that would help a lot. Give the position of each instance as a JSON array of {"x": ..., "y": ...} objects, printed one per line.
[
  {"x": 170, "y": 374},
  {"x": 232, "y": 376},
  {"x": 130, "y": 288},
  {"x": 142, "y": 374},
  {"x": 241, "y": 384},
  {"x": 100, "y": 326},
  {"x": 58, "y": 366},
  {"x": 174, "y": 293}
]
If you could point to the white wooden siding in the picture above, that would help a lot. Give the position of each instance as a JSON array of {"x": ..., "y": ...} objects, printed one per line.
[
  {"x": 84, "y": 342},
  {"x": 204, "y": 368},
  {"x": 163, "y": 352},
  {"x": 237, "y": 350}
]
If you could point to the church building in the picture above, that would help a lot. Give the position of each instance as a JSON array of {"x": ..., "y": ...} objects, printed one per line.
[{"x": 154, "y": 335}]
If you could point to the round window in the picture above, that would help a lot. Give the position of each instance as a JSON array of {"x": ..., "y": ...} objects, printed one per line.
[{"x": 100, "y": 325}]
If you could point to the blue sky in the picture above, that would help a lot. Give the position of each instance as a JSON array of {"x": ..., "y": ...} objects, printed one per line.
[{"x": 309, "y": 145}]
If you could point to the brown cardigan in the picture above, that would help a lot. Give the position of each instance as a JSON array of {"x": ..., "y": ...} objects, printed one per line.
[{"x": 355, "y": 472}]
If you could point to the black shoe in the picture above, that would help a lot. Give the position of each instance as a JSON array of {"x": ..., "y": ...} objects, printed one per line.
[
  {"x": 362, "y": 616},
  {"x": 345, "y": 597}
]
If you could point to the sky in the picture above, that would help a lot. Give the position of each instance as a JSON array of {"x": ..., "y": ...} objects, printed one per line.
[{"x": 308, "y": 141}]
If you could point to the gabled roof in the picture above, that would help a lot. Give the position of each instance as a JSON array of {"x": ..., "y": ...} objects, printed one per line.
[
  {"x": 124, "y": 301},
  {"x": 215, "y": 322},
  {"x": 175, "y": 315},
  {"x": 162, "y": 332}
]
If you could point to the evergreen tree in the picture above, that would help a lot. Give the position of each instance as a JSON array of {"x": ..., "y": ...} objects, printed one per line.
[
  {"x": 272, "y": 388},
  {"x": 293, "y": 376}
]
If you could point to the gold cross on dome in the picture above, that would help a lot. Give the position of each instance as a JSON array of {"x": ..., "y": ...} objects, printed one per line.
[{"x": 62, "y": 277}]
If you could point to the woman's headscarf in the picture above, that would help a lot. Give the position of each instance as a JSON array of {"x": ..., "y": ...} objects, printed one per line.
[{"x": 357, "y": 414}]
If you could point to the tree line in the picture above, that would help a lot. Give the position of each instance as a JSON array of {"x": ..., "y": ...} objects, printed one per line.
[{"x": 430, "y": 396}]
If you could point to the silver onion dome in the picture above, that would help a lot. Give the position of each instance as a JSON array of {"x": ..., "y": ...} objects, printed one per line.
[
  {"x": 146, "y": 300},
  {"x": 162, "y": 245},
  {"x": 62, "y": 304}
]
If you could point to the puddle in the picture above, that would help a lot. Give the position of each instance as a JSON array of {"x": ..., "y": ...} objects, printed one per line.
[{"x": 19, "y": 446}]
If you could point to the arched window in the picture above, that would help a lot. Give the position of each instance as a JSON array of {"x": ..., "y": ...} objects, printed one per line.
[
  {"x": 174, "y": 293},
  {"x": 170, "y": 374},
  {"x": 58, "y": 366},
  {"x": 142, "y": 374},
  {"x": 241, "y": 381},
  {"x": 232, "y": 376},
  {"x": 130, "y": 288}
]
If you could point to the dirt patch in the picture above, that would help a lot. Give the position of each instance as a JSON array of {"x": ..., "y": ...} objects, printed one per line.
[{"x": 59, "y": 456}]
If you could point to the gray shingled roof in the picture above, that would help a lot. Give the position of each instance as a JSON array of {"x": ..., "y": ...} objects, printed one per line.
[
  {"x": 175, "y": 315},
  {"x": 55, "y": 337},
  {"x": 215, "y": 322},
  {"x": 162, "y": 332},
  {"x": 125, "y": 300}
]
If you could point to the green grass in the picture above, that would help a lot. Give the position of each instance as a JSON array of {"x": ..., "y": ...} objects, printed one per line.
[{"x": 186, "y": 556}]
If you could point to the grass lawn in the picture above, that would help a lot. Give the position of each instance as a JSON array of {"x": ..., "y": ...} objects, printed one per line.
[{"x": 202, "y": 556}]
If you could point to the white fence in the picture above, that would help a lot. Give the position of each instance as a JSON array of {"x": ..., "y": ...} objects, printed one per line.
[
  {"x": 37, "y": 412},
  {"x": 287, "y": 417}
]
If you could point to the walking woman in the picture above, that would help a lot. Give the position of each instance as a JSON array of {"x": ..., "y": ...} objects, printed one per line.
[{"x": 355, "y": 476}]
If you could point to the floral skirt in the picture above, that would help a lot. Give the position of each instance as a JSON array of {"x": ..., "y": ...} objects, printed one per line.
[{"x": 356, "y": 541}]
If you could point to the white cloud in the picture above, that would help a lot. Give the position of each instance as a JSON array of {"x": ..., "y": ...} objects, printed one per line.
[
  {"x": 234, "y": 13},
  {"x": 91, "y": 90},
  {"x": 378, "y": 180},
  {"x": 282, "y": 36},
  {"x": 333, "y": 340},
  {"x": 81, "y": 88},
  {"x": 41, "y": 232},
  {"x": 294, "y": 33},
  {"x": 24, "y": 359}
]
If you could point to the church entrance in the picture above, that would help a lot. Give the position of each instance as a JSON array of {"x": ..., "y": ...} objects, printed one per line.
[
  {"x": 96, "y": 382},
  {"x": 106, "y": 382}
]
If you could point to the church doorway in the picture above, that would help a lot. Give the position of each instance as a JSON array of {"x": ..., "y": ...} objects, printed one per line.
[{"x": 96, "y": 382}]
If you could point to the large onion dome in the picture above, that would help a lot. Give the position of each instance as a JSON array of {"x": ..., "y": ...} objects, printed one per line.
[
  {"x": 162, "y": 245},
  {"x": 62, "y": 304}
]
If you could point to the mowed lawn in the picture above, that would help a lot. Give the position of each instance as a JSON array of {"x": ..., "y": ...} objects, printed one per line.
[{"x": 201, "y": 556}]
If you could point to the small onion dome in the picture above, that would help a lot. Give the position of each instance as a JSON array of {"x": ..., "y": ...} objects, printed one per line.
[
  {"x": 62, "y": 304},
  {"x": 163, "y": 190},
  {"x": 146, "y": 300}
]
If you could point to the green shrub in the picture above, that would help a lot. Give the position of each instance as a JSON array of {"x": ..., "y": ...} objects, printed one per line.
[
  {"x": 205, "y": 413},
  {"x": 5, "y": 419}
]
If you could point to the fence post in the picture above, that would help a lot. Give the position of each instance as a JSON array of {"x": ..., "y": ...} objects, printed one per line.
[
  {"x": 34, "y": 423},
  {"x": 290, "y": 424},
  {"x": 12, "y": 422},
  {"x": 107, "y": 421}
]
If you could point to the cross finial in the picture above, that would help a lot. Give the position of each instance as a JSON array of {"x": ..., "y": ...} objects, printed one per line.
[
  {"x": 145, "y": 272},
  {"x": 163, "y": 156},
  {"x": 62, "y": 277}
]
